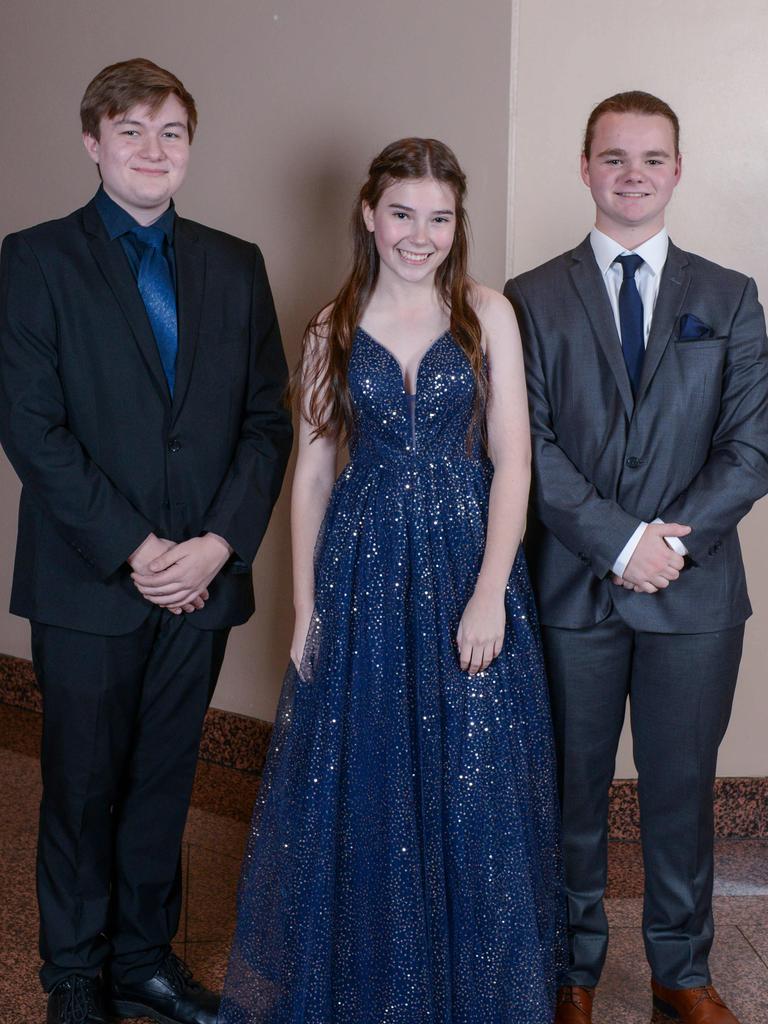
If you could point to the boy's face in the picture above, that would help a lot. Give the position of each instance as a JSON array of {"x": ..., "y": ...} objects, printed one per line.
[
  {"x": 631, "y": 172},
  {"x": 143, "y": 157}
]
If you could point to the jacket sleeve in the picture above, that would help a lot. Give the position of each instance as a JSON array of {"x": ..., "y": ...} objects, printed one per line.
[
  {"x": 592, "y": 527},
  {"x": 57, "y": 473},
  {"x": 735, "y": 473},
  {"x": 243, "y": 504}
]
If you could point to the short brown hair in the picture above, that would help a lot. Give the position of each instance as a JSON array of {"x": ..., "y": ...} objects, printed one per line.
[
  {"x": 119, "y": 87},
  {"x": 633, "y": 102}
]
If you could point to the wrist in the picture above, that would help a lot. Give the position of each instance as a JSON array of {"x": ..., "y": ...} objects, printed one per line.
[
  {"x": 221, "y": 542},
  {"x": 490, "y": 589}
]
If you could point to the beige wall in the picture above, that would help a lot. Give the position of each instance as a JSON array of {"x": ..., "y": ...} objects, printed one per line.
[
  {"x": 708, "y": 60},
  {"x": 296, "y": 97}
]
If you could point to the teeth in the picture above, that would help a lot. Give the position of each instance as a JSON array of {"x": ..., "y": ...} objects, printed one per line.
[
  {"x": 633, "y": 195},
  {"x": 414, "y": 257}
]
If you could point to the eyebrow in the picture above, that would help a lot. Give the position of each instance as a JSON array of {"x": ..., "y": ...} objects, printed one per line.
[
  {"x": 410, "y": 209},
  {"x": 623, "y": 152},
  {"x": 140, "y": 124}
]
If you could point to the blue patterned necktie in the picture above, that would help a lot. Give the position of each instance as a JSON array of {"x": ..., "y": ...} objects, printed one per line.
[
  {"x": 159, "y": 295},
  {"x": 631, "y": 319}
]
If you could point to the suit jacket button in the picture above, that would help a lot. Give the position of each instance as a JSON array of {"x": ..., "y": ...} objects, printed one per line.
[
  {"x": 174, "y": 445},
  {"x": 633, "y": 462}
]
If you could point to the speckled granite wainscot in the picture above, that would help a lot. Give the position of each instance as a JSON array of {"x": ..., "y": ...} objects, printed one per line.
[{"x": 236, "y": 741}]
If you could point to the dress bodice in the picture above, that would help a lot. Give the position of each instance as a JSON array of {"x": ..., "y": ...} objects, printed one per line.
[{"x": 389, "y": 423}]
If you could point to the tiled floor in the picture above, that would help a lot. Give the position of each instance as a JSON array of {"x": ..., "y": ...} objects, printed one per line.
[{"x": 213, "y": 843}]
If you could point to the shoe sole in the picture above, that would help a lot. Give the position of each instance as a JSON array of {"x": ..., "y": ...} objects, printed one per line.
[
  {"x": 124, "y": 1010},
  {"x": 665, "y": 1008}
]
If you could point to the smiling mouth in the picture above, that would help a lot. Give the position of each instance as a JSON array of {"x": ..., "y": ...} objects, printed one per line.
[
  {"x": 149, "y": 170},
  {"x": 633, "y": 195},
  {"x": 414, "y": 258}
]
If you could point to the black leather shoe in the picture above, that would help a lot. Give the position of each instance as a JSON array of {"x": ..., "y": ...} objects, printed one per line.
[
  {"x": 170, "y": 996},
  {"x": 76, "y": 1000}
]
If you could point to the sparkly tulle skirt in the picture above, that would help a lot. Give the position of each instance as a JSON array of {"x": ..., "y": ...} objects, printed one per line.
[{"x": 403, "y": 864}]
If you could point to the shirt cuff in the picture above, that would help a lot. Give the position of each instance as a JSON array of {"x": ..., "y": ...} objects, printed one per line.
[
  {"x": 675, "y": 543},
  {"x": 628, "y": 550}
]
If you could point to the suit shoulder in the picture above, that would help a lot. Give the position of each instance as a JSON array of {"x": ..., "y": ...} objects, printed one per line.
[
  {"x": 220, "y": 242},
  {"x": 717, "y": 274},
  {"x": 50, "y": 235},
  {"x": 539, "y": 279}
]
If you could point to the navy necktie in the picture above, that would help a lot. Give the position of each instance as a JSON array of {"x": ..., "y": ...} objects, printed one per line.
[
  {"x": 631, "y": 319},
  {"x": 159, "y": 295}
]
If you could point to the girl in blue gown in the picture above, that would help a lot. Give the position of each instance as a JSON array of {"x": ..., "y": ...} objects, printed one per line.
[{"x": 403, "y": 866}]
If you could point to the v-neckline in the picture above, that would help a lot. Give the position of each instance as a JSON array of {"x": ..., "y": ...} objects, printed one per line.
[{"x": 399, "y": 365}]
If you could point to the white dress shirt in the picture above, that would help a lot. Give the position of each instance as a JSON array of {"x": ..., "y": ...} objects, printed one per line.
[{"x": 647, "y": 279}]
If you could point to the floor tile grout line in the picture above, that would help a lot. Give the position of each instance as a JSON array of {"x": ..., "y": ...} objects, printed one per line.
[{"x": 758, "y": 954}]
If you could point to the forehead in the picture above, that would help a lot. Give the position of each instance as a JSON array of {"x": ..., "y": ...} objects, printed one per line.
[
  {"x": 419, "y": 193},
  {"x": 633, "y": 132},
  {"x": 170, "y": 110}
]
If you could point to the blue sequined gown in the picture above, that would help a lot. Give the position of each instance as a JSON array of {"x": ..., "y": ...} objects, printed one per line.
[{"x": 403, "y": 866}]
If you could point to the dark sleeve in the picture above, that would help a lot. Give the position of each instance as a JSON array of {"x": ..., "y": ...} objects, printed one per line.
[
  {"x": 91, "y": 514},
  {"x": 243, "y": 504},
  {"x": 594, "y": 528},
  {"x": 735, "y": 473}
]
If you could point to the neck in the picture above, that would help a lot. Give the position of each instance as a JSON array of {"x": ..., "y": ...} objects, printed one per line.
[
  {"x": 628, "y": 237},
  {"x": 146, "y": 216},
  {"x": 414, "y": 296}
]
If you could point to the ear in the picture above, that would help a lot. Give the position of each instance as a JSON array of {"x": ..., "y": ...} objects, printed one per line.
[
  {"x": 585, "y": 169},
  {"x": 91, "y": 146},
  {"x": 367, "y": 215},
  {"x": 678, "y": 167}
]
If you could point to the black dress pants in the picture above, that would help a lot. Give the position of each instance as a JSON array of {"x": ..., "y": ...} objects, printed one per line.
[
  {"x": 122, "y": 719},
  {"x": 680, "y": 688}
]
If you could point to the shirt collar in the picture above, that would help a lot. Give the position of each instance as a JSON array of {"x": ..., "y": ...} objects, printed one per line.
[
  {"x": 118, "y": 221},
  {"x": 653, "y": 252}
]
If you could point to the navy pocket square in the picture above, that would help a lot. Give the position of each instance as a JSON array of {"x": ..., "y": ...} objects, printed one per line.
[{"x": 693, "y": 329}]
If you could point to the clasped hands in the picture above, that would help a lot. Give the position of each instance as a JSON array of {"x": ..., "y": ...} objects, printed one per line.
[
  {"x": 653, "y": 565},
  {"x": 176, "y": 576}
]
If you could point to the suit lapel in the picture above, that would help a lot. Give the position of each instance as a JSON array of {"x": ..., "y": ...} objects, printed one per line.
[
  {"x": 113, "y": 263},
  {"x": 585, "y": 274},
  {"x": 190, "y": 273},
  {"x": 675, "y": 279}
]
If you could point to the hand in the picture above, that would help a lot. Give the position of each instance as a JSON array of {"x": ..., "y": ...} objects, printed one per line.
[
  {"x": 193, "y": 606},
  {"x": 150, "y": 548},
  {"x": 301, "y": 624},
  {"x": 481, "y": 631},
  {"x": 181, "y": 575},
  {"x": 654, "y": 565}
]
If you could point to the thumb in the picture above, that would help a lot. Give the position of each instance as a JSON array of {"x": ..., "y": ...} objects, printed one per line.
[
  {"x": 163, "y": 561},
  {"x": 675, "y": 530}
]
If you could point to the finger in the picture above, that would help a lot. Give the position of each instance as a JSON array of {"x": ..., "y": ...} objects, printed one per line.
[
  {"x": 157, "y": 579},
  {"x": 204, "y": 595},
  {"x": 175, "y": 600},
  {"x": 628, "y": 586},
  {"x": 161, "y": 590},
  {"x": 476, "y": 660},
  {"x": 198, "y": 603},
  {"x": 465, "y": 657},
  {"x": 617, "y": 580},
  {"x": 165, "y": 561},
  {"x": 648, "y": 588},
  {"x": 659, "y": 581},
  {"x": 669, "y": 573},
  {"x": 674, "y": 530}
]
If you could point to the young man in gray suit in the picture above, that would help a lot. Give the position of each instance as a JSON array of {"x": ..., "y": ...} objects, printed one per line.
[{"x": 648, "y": 384}]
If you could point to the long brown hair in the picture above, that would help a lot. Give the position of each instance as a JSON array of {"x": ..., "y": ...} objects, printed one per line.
[{"x": 319, "y": 383}]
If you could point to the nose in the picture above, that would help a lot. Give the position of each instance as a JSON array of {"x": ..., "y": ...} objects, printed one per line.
[
  {"x": 152, "y": 148},
  {"x": 419, "y": 233}
]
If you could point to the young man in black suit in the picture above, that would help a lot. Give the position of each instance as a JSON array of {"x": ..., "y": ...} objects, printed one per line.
[
  {"x": 648, "y": 387},
  {"x": 142, "y": 377}
]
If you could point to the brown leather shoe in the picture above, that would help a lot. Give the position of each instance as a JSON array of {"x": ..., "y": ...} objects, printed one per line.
[
  {"x": 574, "y": 1005},
  {"x": 692, "y": 1005}
]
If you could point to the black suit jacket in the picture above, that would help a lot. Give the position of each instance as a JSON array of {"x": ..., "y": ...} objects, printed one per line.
[
  {"x": 691, "y": 447},
  {"x": 104, "y": 455}
]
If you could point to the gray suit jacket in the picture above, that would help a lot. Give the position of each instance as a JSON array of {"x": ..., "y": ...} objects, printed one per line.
[{"x": 692, "y": 447}]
